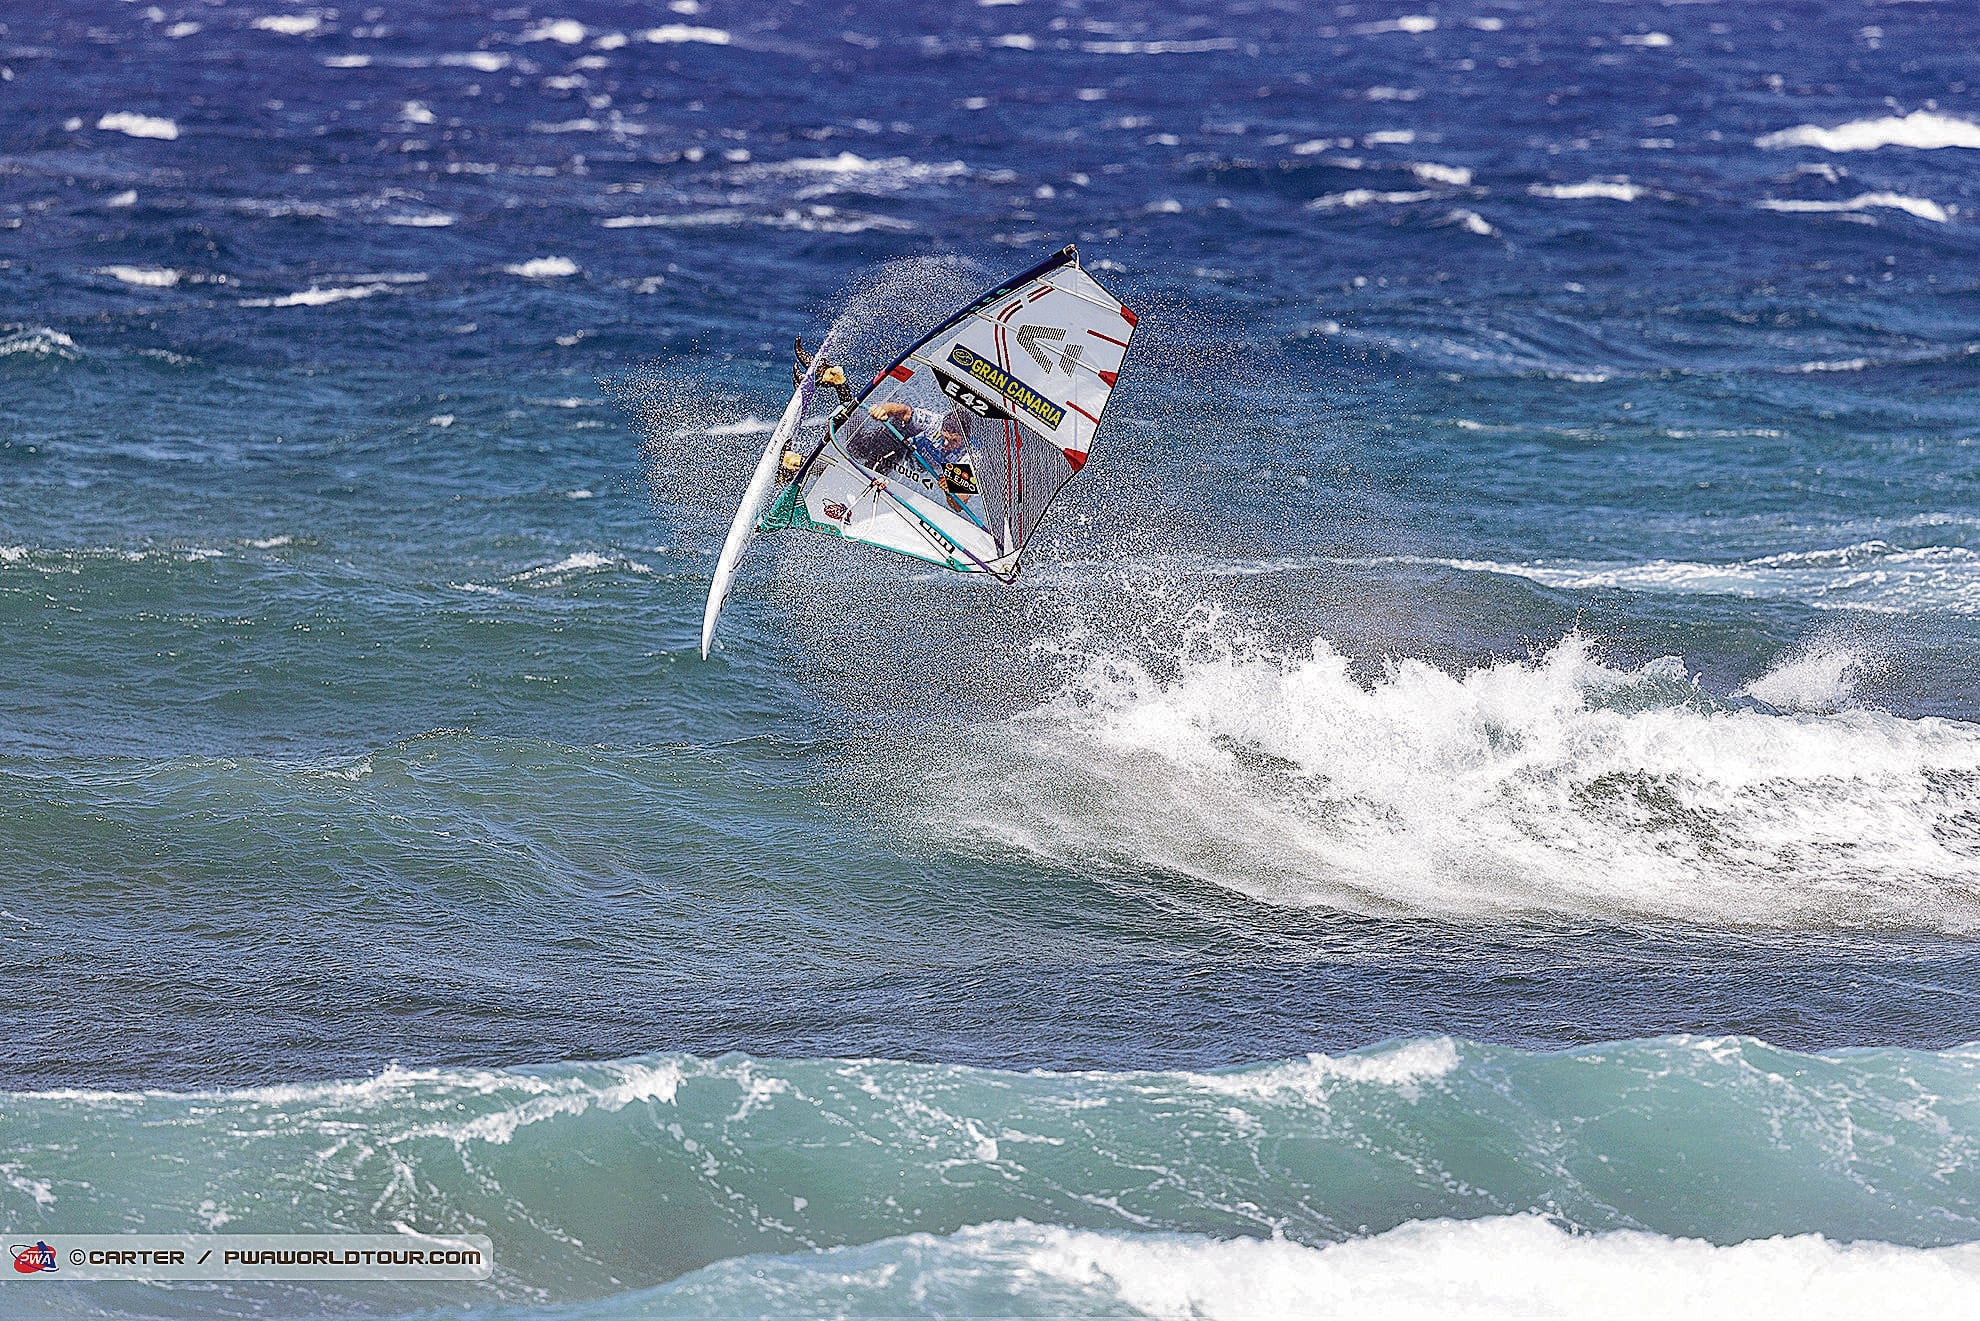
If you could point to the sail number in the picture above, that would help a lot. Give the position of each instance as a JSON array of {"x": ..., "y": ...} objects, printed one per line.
[{"x": 970, "y": 398}]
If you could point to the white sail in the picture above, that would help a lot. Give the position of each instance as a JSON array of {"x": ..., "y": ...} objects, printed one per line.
[{"x": 958, "y": 448}]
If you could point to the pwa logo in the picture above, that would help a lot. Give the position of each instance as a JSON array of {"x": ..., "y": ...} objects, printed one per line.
[{"x": 32, "y": 1258}]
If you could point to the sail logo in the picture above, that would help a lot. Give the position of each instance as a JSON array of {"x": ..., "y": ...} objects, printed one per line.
[
  {"x": 32, "y": 1258},
  {"x": 1009, "y": 386}
]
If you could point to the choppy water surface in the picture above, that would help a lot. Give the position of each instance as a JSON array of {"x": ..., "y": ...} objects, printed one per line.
[{"x": 1484, "y": 767}]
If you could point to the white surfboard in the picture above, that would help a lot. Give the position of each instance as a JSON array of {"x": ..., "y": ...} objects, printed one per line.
[{"x": 756, "y": 496}]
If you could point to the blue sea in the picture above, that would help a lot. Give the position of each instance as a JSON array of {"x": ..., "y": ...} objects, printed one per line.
[{"x": 1471, "y": 809}]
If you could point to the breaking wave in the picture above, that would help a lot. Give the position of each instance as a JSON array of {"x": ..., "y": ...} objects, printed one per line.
[
  {"x": 1503, "y": 1266},
  {"x": 972, "y": 1191},
  {"x": 1920, "y": 128},
  {"x": 1560, "y": 786}
]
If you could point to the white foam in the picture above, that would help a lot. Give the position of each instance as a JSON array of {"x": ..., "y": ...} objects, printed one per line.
[
  {"x": 1557, "y": 786},
  {"x": 1472, "y": 223},
  {"x": 421, "y": 219},
  {"x": 1430, "y": 172},
  {"x": 543, "y": 268},
  {"x": 1649, "y": 40},
  {"x": 1921, "y": 128},
  {"x": 146, "y": 277},
  {"x": 1922, "y": 207},
  {"x": 1612, "y": 190},
  {"x": 1497, "y": 1267},
  {"x": 1356, "y": 197},
  {"x": 564, "y": 31},
  {"x": 675, "y": 34},
  {"x": 318, "y": 296},
  {"x": 290, "y": 25},
  {"x": 1314, "y": 1079},
  {"x": 483, "y": 61},
  {"x": 139, "y": 126}
]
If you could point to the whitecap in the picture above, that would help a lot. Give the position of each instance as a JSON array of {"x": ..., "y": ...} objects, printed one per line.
[
  {"x": 677, "y": 34},
  {"x": 1458, "y": 176},
  {"x": 147, "y": 277},
  {"x": 564, "y": 31},
  {"x": 318, "y": 296},
  {"x": 690, "y": 219},
  {"x": 483, "y": 61},
  {"x": 1922, "y": 207},
  {"x": 543, "y": 268},
  {"x": 1613, "y": 190},
  {"x": 1921, "y": 129},
  {"x": 1355, "y": 197},
  {"x": 421, "y": 219},
  {"x": 135, "y": 125},
  {"x": 290, "y": 25}
]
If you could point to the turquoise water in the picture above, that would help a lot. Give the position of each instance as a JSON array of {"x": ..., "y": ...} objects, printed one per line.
[{"x": 1481, "y": 767}]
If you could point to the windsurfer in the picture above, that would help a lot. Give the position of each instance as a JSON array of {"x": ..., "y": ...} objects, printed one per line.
[{"x": 894, "y": 432}]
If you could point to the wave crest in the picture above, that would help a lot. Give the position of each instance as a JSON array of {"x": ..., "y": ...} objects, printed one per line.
[{"x": 1560, "y": 786}]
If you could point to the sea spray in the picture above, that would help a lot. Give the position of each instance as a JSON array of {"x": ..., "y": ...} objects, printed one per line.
[{"x": 1560, "y": 785}]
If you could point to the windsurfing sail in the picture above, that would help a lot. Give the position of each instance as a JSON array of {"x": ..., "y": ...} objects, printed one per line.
[
  {"x": 959, "y": 447},
  {"x": 957, "y": 450}
]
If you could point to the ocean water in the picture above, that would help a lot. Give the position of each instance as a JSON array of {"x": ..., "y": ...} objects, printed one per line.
[{"x": 1472, "y": 809}]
